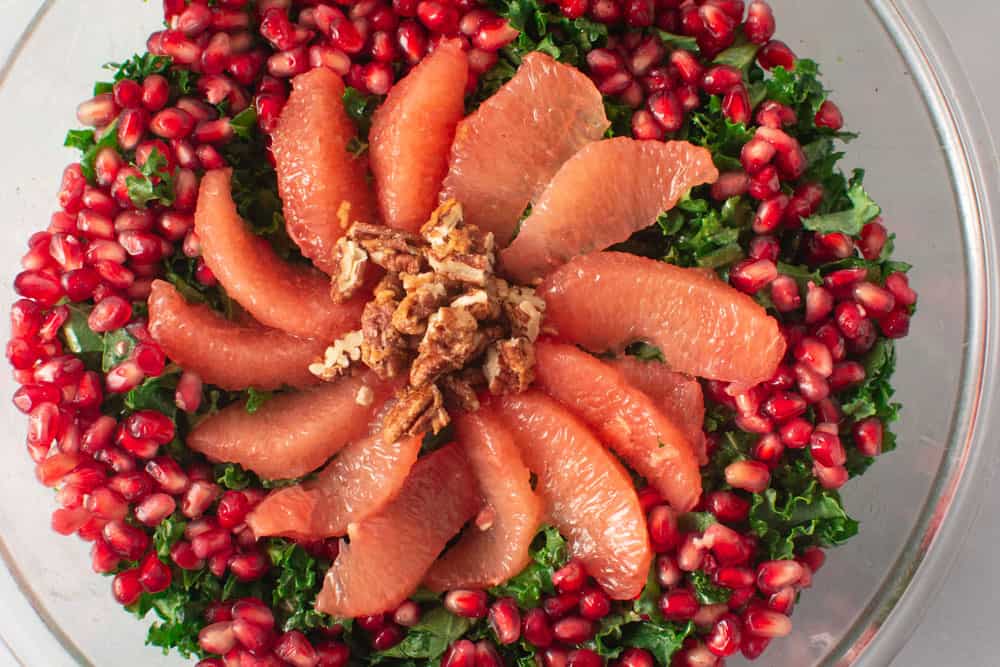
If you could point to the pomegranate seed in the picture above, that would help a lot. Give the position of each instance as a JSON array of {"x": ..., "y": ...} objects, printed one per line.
[
  {"x": 412, "y": 40},
  {"x": 98, "y": 111},
  {"x": 184, "y": 557},
  {"x": 211, "y": 543},
  {"x": 461, "y": 653},
  {"x": 68, "y": 521},
  {"x": 126, "y": 540},
  {"x": 54, "y": 468},
  {"x": 537, "y": 630},
  {"x": 830, "y": 477},
  {"x": 668, "y": 573},
  {"x": 785, "y": 294},
  {"x": 408, "y": 614},
  {"x": 295, "y": 649},
  {"x": 876, "y": 300},
  {"x": 753, "y": 647},
  {"x": 249, "y": 566},
  {"x": 198, "y": 498},
  {"x": 783, "y": 405},
  {"x": 493, "y": 35},
  {"x": 595, "y": 604},
  {"x": 896, "y": 324},
  {"x": 168, "y": 474},
  {"x": 466, "y": 603},
  {"x": 829, "y": 116},
  {"x": 736, "y": 103},
  {"x": 570, "y": 578},
  {"x": 232, "y": 509},
  {"x": 868, "y": 436},
  {"x": 760, "y": 25},
  {"x": 151, "y": 424},
  {"x": 663, "y": 531},
  {"x": 106, "y": 504},
  {"x": 749, "y": 476},
  {"x": 728, "y": 506},
  {"x": 126, "y": 587},
  {"x": 725, "y": 637},
  {"x": 555, "y": 657},
  {"x": 217, "y": 638},
  {"x": 39, "y": 286},
  {"x": 154, "y": 574},
  {"x": 815, "y": 355},
  {"x": 30, "y": 396},
  {"x": 605, "y": 11},
  {"x": 734, "y": 577},
  {"x": 387, "y": 637},
  {"x": 730, "y": 184},
  {"x": 772, "y": 576},
  {"x": 847, "y": 374},
  {"x": 718, "y": 24},
  {"x": 776, "y": 54},
  {"x": 872, "y": 240},
  {"x": 172, "y": 123},
  {"x": 378, "y": 78},
  {"x": 667, "y": 110},
  {"x": 751, "y": 275},
  {"x": 558, "y": 606},
  {"x": 153, "y": 509},
  {"x": 646, "y": 127},
  {"x": 573, "y": 9},
  {"x": 194, "y": 20},
  {"x": 648, "y": 54},
  {"x": 254, "y": 638},
  {"x": 678, "y": 605},
  {"x": 573, "y": 630},
  {"x": 756, "y": 154},
  {"x": 718, "y": 80},
  {"x": 103, "y": 558},
  {"x": 183, "y": 50},
  {"x": 849, "y": 318},
  {"x": 636, "y": 657},
  {"x": 766, "y": 623}
]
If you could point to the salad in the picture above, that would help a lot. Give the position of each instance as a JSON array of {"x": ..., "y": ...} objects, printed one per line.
[{"x": 466, "y": 333}]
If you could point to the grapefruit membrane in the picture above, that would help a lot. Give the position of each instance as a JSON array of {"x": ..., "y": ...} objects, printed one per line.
[
  {"x": 232, "y": 355},
  {"x": 363, "y": 477},
  {"x": 293, "y": 433},
  {"x": 293, "y": 298},
  {"x": 412, "y": 133},
  {"x": 624, "y": 418},
  {"x": 593, "y": 202},
  {"x": 489, "y": 556},
  {"x": 507, "y": 150},
  {"x": 323, "y": 186},
  {"x": 389, "y": 553},
  {"x": 604, "y": 301},
  {"x": 588, "y": 495}
]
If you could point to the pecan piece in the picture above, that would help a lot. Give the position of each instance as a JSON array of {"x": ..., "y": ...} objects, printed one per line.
[
  {"x": 479, "y": 302},
  {"x": 452, "y": 339},
  {"x": 418, "y": 305},
  {"x": 384, "y": 349},
  {"x": 510, "y": 365},
  {"x": 393, "y": 250},
  {"x": 460, "y": 389},
  {"x": 351, "y": 260},
  {"x": 523, "y": 310},
  {"x": 416, "y": 411},
  {"x": 338, "y": 357}
]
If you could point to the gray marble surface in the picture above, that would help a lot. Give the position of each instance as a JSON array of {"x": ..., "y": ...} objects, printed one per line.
[{"x": 959, "y": 627}]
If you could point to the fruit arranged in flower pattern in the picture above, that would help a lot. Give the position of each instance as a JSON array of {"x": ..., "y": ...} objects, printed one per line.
[
  {"x": 293, "y": 433},
  {"x": 604, "y": 301},
  {"x": 601, "y": 196},
  {"x": 361, "y": 480},
  {"x": 411, "y": 136},
  {"x": 507, "y": 150},
  {"x": 389, "y": 553},
  {"x": 488, "y": 556},
  {"x": 323, "y": 185},
  {"x": 291, "y": 297},
  {"x": 228, "y": 354},
  {"x": 625, "y": 419},
  {"x": 588, "y": 495}
]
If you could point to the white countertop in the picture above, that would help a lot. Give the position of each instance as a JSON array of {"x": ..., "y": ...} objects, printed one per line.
[{"x": 959, "y": 627}]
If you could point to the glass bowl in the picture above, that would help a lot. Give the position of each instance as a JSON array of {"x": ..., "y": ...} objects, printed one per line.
[{"x": 926, "y": 150}]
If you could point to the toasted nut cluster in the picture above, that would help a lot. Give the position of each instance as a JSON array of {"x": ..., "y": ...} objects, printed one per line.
[{"x": 439, "y": 316}]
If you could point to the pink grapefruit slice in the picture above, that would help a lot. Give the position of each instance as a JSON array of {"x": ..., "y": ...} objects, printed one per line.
[
  {"x": 293, "y": 298},
  {"x": 412, "y": 133},
  {"x": 361, "y": 480},
  {"x": 323, "y": 186},
  {"x": 390, "y": 552},
  {"x": 678, "y": 396},
  {"x": 507, "y": 151},
  {"x": 294, "y": 433},
  {"x": 588, "y": 495},
  {"x": 601, "y": 196},
  {"x": 225, "y": 353},
  {"x": 489, "y": 556},
  {"x": 624, "y": 418},
  {"x": 604, "y": 301}
]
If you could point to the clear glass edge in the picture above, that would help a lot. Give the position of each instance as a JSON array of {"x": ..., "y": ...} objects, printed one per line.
[{"x": 886, "y": 624}]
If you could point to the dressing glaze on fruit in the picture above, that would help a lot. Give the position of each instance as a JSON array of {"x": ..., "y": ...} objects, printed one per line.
[{"x": 719, "y": 308}]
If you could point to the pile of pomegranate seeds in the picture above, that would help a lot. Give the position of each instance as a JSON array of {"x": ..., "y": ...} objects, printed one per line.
[{"x": 107, "y": 412}]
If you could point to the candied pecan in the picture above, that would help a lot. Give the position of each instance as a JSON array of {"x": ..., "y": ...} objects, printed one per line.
[
  {"x": 510, "y": 365},
  {"x": 460, "y": 389},
  {"x": 338, "y": 357},
  {"x": 452, "y": 339},
  {"x": 442, "y": 224},
  {"x": 471, "y": 269},
  {"x": 479, "y": 302},
  {"x": 416, "y": 411},
  {"x": 393, "y": 250},
  {"x": 388, "y": 289},
  {"x": 418, "y": 305},
  {"x": 523, "y": 310},
  {"x": 384, "y": 349},
  {"x": 351, "y": 260}
]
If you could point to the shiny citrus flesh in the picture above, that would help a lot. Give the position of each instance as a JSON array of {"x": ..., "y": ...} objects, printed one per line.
[
  {"x": 291, "y": 297},
  {"x": 228, "y": 354},
  {"x": 411, "y": 136},
  {"x": 485, "y": 557},
  {"x": 508, "y": 149},
  {"x": 293, "y": 433},
  {"x": 607, "y": 300},
  {"x": 361, "y": 480},
  {"x": 588, "y": 495},
  {"x": 601, "y": 196},
  {"x": 624, "y": 418},
  {"x": 389, "y": 553},
  {"x": 677, "y": 395},
  {"x": 322, "y": 184}
]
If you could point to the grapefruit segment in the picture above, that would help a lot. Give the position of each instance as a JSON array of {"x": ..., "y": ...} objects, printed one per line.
[
  {"x": 225, "y": 353},
  {"x": 485, "y": 558},
  {"x": 624, "y": 418},
  {"x": 703, "y": 327},
  {"x": 507, "y": 151},
  {"x": 390, "y": 552},
  {"x": 364, "y": 476},
  {"x": 323, "y": 186},
  {"x": 593, "y": 202},
  {"x": 678, "y": 396},
  {"x": 588, "y": 494},
  {"x": 293, "y": 298},
  {"x": 412, "y": 133},
  {"x": 294, "y": 433}
]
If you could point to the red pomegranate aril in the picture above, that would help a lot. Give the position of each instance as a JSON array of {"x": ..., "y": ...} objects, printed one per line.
[
  {"x": 254, "y": 638},
  {"x": 131, "y": 126},
  {"x": 648, "y": 54},
  {"x": 776, "y": 54},
  {"x": 688, "y": 66},
  {"x": 830, "y": 477},
  {"x": 103, "y": 558},
  {"x": 295, "y": 650},
  {"x": 249, "y": 566},
  {"x": 760, "y": 24},
  {"x": 557, "y": 606},
  {"x": 734, "y": 577},
  {"x": 505, "y": 620},
  {"x": 126, "y": 540},
  {"x": 183, "y": 50},
  {"x": 172, "y": 123},
  {"x": 727, "y": 506},
  {"x": 615, "y": 84},
  {"x": 98, "y": 201},
  {"x": 736, "y": 103},
  {"x": 751, "y": 275},
  {"x": 668, "y": 573},
  {"x": 183, "y": 555},
  {"x": 388, "y": 637},
  {"x": 154, "y": 508},
  {"x": 213, "y": 132},
  {"x": 664, "y": 534},
  {"x": 796, "y": 433},
  {"x": 461, "y": 653},
  {"x": 595, "y": 604},
  {"x": 126, "y": 587},
  {"x": 719, "y": 79},
  {"x": 678, "y": 605},
  {"x": 573, "y": 630},
  {"x": 30, "y": 396},
  {"x": 378, "y": 78},
  {"x": 438, "y": 17},
  {"x": 142, "y": 247},
  {"x": 604, "y": 62},
  {"x": 466, "y": 603},
  {"x": 106, "y": 504},
  {"x": 110, "y": 314},
  {"x": 639, "y": 13},
  {"x": 725, "y": 637},
  {"x": 253, "y": 611},
  {"x": 98, "y": 111},
  {"x": 22, "y": 355},
  {"x": 154, "y": 574},
  {"x": 71, "y": 189},
  {"x": 636, "y": 657},
  {"x": 39, "y": 286},
  {"x": 198, "y": 498},
  {"x": 765, "y": 184},
  {"x": 605, "y": 11},
  {"x": 25, "y": 318},
  {"x": 785, "y": 294},
  {"x": 167, "y": 473},
  {"x": 408, "y": 614},
  {"x": 574, "y": 9},
  {"x": 756, "y": 154},
  {"x": 68, "y": 521},
  {"x": 815, "y": 355},
  {"x": 876, "y": 300},
  {"x": 493, "y": 35},
  {"x": 730, "y": 184},
  {"x": 769, "y": 448},
  {"x": 749, "y": 476},
  {"x": 536, "y": 628},
  {"x": 845, "y": 375},
  {"x": 849, "y": 317},
  {"x": 829, "y": 116},
  {"x": 868, "y": 436},
  {"x": 372, "y": 623},
  {"x": 210, "y": 158},
  {"x": 872, "y": 240},
  {"x": 766, "y": 623},
  {"x": 570, "y": 578},
  {"x": 194, "y": 20},
  {"x": 772, "y": 576},
  {"x": 217, "y": 638},
  {"x": 717, "y": 23},
  {"x": 412, "y": 40},
  {"x": 211, "y": 542},
  {"x": 753, "y": 647}
]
